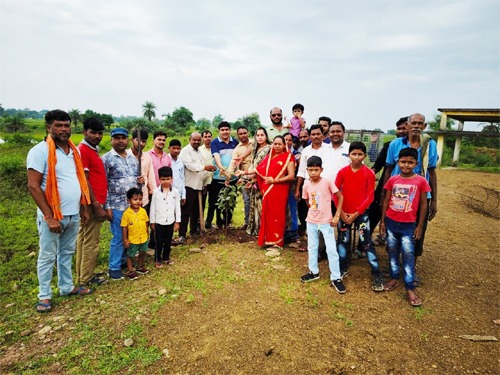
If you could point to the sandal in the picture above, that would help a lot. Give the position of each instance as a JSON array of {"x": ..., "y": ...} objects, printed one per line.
[
  {"x": 43, "y": 307},
  {"x": 415, "y": 301},
  {"x": 390, "y": 285},
  {"x": 302, "y": 249},
  {"x": 80, "y": 291},
  {"x": 158, "y": 265},
  {"x": 275, "y": 247},
  {"x": 379, "y": 240},
  {"x": 168, "y": 262}
]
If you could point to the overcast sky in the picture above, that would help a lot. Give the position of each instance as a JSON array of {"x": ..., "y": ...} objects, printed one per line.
[{"x": 365, "y": 63}]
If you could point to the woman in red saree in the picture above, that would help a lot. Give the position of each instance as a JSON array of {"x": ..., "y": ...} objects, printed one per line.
[{"x": 274, "y": 175}]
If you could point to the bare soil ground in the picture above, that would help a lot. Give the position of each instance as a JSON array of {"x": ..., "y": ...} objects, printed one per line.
[{"x": 229, "y": 309}]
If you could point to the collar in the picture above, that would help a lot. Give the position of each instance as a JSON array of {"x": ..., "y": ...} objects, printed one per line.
[
  {"x": 90, "y": 146},
  {"x": 220, "y": 139}
]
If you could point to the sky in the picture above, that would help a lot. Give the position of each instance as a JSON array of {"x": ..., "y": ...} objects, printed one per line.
[{"x": 365, "y": 63}]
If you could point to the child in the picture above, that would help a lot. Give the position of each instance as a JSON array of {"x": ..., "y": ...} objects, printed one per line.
[
  {"x": 318, "y": 192},
  {"x": 135, "y": 232},
  {"x": 357, "y": 184},
  {"x": 297, "y": 123},
  {"x": 179, "y": 180},
  {"x": 407, "y": 195},
  {"x": 165, "y": 215}
]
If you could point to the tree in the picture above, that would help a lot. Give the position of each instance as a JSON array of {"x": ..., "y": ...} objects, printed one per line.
[
  {"x": 14, "y": 124},
  {"x": 435, "y": 124},
  {"x": 75, "y": 116},
  {"x": 217, "y": 120},
  {"x": 179, "y": 121},
  {"x": 203, "y": 124},
  {"x": 148, "y": 110},
  {"x": 251, "y": 122}
]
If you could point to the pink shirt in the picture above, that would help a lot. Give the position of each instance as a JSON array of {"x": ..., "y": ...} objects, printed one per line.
[
  {"x": 158, "y": 162},
  {"x": 405, "y": 197},
  {"x": 319, "y": 195}
]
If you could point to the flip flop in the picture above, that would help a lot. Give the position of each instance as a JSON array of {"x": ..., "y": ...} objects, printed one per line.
[
  {"x": 80, "y": 291},
  {"x": 45, "y": 307},
  {"x": 415, "y": 302},
  {"x": 302, "y": 249},
  {"x": 388, "y": 288}
]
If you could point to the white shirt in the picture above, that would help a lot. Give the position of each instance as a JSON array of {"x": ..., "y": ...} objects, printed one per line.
[
  {"x": 306, "y": 154},
  {"x": 165, "y": 207},
  {"x": 194, "y": 167},
  {"x": 336, "y": 159}
]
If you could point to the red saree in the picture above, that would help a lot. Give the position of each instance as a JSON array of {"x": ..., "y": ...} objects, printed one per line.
[{"x": 274, "y": 198}]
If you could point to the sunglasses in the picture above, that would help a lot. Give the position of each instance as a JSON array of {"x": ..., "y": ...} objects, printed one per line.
[{"x": 276, "y": 115}]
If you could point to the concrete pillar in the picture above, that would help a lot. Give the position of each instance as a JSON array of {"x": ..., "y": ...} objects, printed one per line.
[
  {"x": 440, "y": 142},
  {"x": 458, "y": 143}
]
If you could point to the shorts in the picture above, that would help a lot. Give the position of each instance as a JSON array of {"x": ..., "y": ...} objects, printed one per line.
[{"x": 134, "y": 248}]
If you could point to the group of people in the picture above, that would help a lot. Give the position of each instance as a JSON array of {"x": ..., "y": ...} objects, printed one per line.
[{"x": 293, "y": 180}]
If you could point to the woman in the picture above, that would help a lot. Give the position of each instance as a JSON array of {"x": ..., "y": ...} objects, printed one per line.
[
  {"x": 274, "y": 174},
  {"x": 260, "y": 151}
]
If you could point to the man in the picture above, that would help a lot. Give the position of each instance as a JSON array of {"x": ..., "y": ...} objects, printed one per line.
[
  {"x": 276, "y": 128},
  {"x": 87, "y": 243},
  {"x": 222, "y": 151},
  {"x": 326, "y": 123},
  {"x": 57, "y": 183},
  {"x": 426, "y": 167},
  {"x": 121, "y": 171},
  {"x": 194, "y": 167},
  {"x": 244, "y": 149},
  {"x": 147, "y": 169},
  {"x": 158, "y": 157},
  {"x": 375, "y": 207},
  {"x": 316, "y": 148},
  {"x": 338, "y": 151},
  {"x": 304, "y": 139},
  {"x": 206, "y": 137}
]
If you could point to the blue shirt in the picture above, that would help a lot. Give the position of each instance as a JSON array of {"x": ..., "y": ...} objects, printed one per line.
[
  {"x": 68, "y": 185},
  {"x": 225, "y": 151},
  {"x": 122, "y": 176},
  {"x": 179, "y": 179}
]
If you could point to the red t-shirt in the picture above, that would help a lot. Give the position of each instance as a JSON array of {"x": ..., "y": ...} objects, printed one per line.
[
  {"x": 405, "y": 197},
  {"x": 319, "y": 195},
  {"x": 357, "y": 188},
  {"x": 97, "y": 175}
]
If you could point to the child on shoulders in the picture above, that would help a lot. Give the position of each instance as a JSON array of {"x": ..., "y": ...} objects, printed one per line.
[
  {"x": 406, "y": 195},
  {"x": 135, "y": 233},
  {"x": 357, "y": 184},
  {"x": 297, "y": 122},
  {"x": 318, "y": 192}
]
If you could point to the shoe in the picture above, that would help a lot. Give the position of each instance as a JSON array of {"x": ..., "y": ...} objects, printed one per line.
[
  {"x": 181, "y": 240},
  {"x": 168, "y": 262},
  {"x": 378, "y": 284},
  {"x": 115, "y": 275},
  {"x": 142, "y": 270},
  {"x": 344, "y": 274},
  {"x": 100, "y": 274},
  {"x": 133, "y": 275},
  {"x": 339, "y": 286},
  {"x": 309, "y": 277}
]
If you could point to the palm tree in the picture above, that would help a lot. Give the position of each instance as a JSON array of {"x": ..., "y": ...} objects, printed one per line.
[
  {"x": 148, "y": 109},
  {"x": 75, "y": 116}
]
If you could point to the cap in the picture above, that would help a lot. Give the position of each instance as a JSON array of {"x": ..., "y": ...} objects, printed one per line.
[{"x": 119, "y": 131}]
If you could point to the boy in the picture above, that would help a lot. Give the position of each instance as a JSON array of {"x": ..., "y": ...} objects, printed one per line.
[
  {"x": 297, "y": 123},
  {"x": 318, "y": 192},
  {"x": 135, "y": 232},
  {"x": 165, "y": 216},
  {"x": 357, "y": 184},
  {"x": 179, "y": 180},
  {"x": 406, "y": 195}
]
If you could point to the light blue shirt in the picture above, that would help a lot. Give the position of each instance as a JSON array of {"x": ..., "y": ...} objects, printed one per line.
[
  {"x": 179, "y": 180},
  {"x": 68, "y": 185}
]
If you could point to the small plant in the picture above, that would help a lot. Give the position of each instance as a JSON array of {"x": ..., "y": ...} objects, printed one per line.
[{"x": 227, "y": 201}]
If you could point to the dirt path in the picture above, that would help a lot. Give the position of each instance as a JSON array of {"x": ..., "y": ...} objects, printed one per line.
[{"x": 231, "y": 310}]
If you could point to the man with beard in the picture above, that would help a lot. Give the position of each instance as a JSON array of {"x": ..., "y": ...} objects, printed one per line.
[
  {"x": 87, "y": 243},
  {"x": 325, "y": 123},
  {"x": 158, "y": 157},
  {"x": 276, "y": 128}
]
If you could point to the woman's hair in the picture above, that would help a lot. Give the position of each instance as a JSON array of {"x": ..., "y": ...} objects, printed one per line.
[
  {"x": 265, "y": 132},
  {"x": 280, "y": 137}
]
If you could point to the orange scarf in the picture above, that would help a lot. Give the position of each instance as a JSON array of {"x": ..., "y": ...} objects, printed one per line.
[{"x": 51, "y": 192}]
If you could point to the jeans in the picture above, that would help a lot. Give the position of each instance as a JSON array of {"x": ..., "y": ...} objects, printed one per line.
[
  {"x": 365, "y": 237},
  {"x": 313, "y": 231},
  {"x": 117, "y": 254},
  {"x": 400, "y": 240},
  {"x": 245, "y": 193},
  {"x": 56, "y": 247}
]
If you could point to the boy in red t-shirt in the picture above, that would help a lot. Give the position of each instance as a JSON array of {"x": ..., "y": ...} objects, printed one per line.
[
  {"x": 357, "y": 184},
  {"x": 408, "y": 195}
]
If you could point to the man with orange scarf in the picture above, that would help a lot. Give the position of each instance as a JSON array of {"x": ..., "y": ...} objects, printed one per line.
[{"x": 55, "y": 174}]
